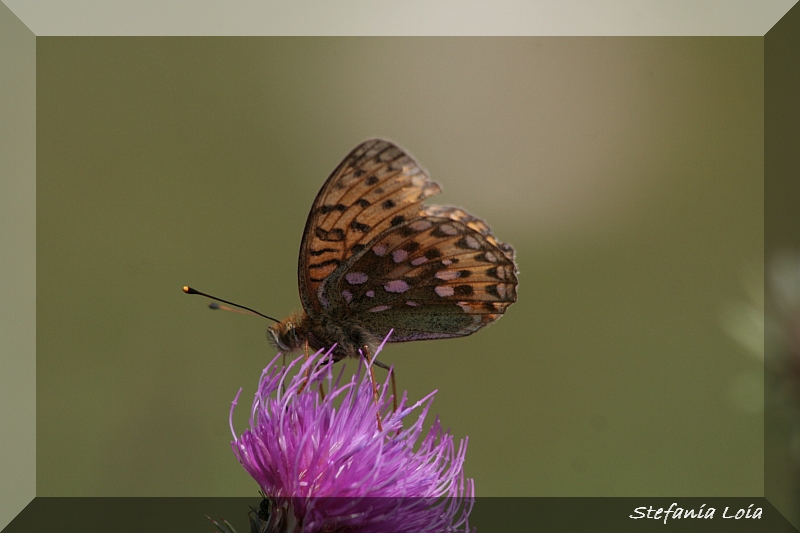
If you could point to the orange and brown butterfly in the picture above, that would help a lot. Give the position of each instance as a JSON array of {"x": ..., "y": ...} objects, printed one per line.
[{"x": 373, "y": 259}]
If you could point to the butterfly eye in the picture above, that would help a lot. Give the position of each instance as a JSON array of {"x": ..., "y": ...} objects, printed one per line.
[{"x": 283, "y": 336}]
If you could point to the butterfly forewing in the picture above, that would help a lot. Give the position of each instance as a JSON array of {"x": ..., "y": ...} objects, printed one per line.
[{"x": 376, "y": 187}]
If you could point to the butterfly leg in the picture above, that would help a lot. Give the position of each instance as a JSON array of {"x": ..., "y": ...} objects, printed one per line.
[
  {"x": 394, "y": 385},
  {"x": 308, "y": 372},
  {"x": 283, "y": 362},
  {"x": 365, "y": 354}
]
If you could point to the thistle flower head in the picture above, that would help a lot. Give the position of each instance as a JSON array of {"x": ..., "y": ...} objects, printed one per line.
[{"x": 325, "y": 466}]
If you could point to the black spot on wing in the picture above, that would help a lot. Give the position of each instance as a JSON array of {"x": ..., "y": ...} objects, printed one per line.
[
  {"x": 325, "y": 209},
  {"x": 432, "y": 253},
  {"x": 463, "y": 290},
  {"x": 462, "y": 244},
  {"x": 358, "y": 226},
  {"x": 334, "y": 235},
  {"x": 411, "y": 247},
  {"x": 314, "y": 253},
  {"x": 325, "y": 263}
]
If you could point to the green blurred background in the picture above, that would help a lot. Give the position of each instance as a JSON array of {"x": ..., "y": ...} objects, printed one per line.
[{"x": 626, "y": 172}]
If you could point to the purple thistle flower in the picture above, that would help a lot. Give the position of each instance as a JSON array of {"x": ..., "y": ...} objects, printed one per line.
[{"x": 324, "y": 465}]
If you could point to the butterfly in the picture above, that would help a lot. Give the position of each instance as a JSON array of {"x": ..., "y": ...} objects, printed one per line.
[{"x": 374, "y": 258}]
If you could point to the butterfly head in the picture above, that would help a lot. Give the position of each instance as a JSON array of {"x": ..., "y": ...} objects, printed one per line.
[{"x": 285, "y": 336}]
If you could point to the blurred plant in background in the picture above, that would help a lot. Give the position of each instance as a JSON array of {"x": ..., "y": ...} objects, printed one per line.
[
  {"x": 768, "y": 325},
  {"x": 744, "y": 322}
]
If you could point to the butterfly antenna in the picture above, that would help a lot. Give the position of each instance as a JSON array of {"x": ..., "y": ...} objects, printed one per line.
[{"x": 189, "y": 290}]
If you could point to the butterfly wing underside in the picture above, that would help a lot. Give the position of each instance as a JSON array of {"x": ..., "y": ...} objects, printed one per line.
[
  {"x": 441, "y": 275},
  {"x": 373, "y": 254}
]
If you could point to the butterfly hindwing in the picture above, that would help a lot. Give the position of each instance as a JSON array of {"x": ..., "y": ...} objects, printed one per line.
[
  {"x": 437, "y": 276},
  {"x": 376, "y": 187}
]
